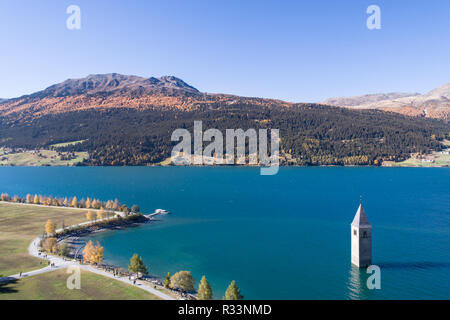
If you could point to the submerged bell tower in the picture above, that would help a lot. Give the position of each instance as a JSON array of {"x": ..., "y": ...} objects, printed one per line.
[{"x": 361, "y": 233}]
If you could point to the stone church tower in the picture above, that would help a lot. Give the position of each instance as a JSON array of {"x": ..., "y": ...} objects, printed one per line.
[{"x": 361, "y": 239}]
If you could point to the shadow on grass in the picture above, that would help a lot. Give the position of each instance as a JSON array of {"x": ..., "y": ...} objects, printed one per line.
[{"x": 7, "y": 285}]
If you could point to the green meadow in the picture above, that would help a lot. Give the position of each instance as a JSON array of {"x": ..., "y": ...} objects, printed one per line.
[
  {"x": 40, "y": 158},
  {"x": 19, "y": 225},
  {"x": 53, "y": 286}
]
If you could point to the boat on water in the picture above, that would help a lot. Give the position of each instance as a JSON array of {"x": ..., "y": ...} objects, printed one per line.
[{"x": 156, "y": 213}]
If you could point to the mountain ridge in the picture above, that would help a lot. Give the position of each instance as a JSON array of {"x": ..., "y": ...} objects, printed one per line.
[
  {"x": 348, "y": 101},
  {"x": 106, "y": 91},
  {"x": 113, "y": 90},
  {"x": 434, "y": 104},
  {"x": 113, "y": 83},
  {"x": 128, "y": 120}
]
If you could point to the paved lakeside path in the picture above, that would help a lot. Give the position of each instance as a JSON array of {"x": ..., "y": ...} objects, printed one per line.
[{"x": 60, "y": 263}]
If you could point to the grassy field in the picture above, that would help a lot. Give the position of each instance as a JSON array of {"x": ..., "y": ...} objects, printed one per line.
[
  {"x": 19, "y": 225},
  {"x": 42, "y": 158},
  {"x": 52, "y": 286},
  {"x": 166, "y": 162},
  {"x": 440, "y": 160},
  {"x": 65, "y": 144}
]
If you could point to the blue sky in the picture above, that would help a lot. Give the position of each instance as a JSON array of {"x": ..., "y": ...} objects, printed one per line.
[{"x": 291, "y": 50}]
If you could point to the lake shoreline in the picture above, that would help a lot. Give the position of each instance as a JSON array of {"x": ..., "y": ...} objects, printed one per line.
[
  {"x": 388, "y": 165},
  {"x": 76, "y": 238},
  {"x": 291, "y": 230}
]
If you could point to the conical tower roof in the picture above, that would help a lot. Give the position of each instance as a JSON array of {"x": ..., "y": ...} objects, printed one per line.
[{"x": 360, "y": 219}]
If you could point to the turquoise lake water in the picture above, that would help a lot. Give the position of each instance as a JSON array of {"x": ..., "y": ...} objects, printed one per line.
[{"x": 280, "y": 237}]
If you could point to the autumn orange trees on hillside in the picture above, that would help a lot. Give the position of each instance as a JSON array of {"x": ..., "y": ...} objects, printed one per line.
[
  {"x": 96, "y": 204},
  {"x": 91, "y": 254},
  {"x": 49, "y": 227},
  {"x": 100, "y": 214},
  {"x": 87, "y": 204},
  {"x": 74, "y": 202},
  {"x": 88, "y": 252},
  {"x": 50, "y": 245},
  {"x": 5, "y": 197},
  {"x": 90, "y": 215}
]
